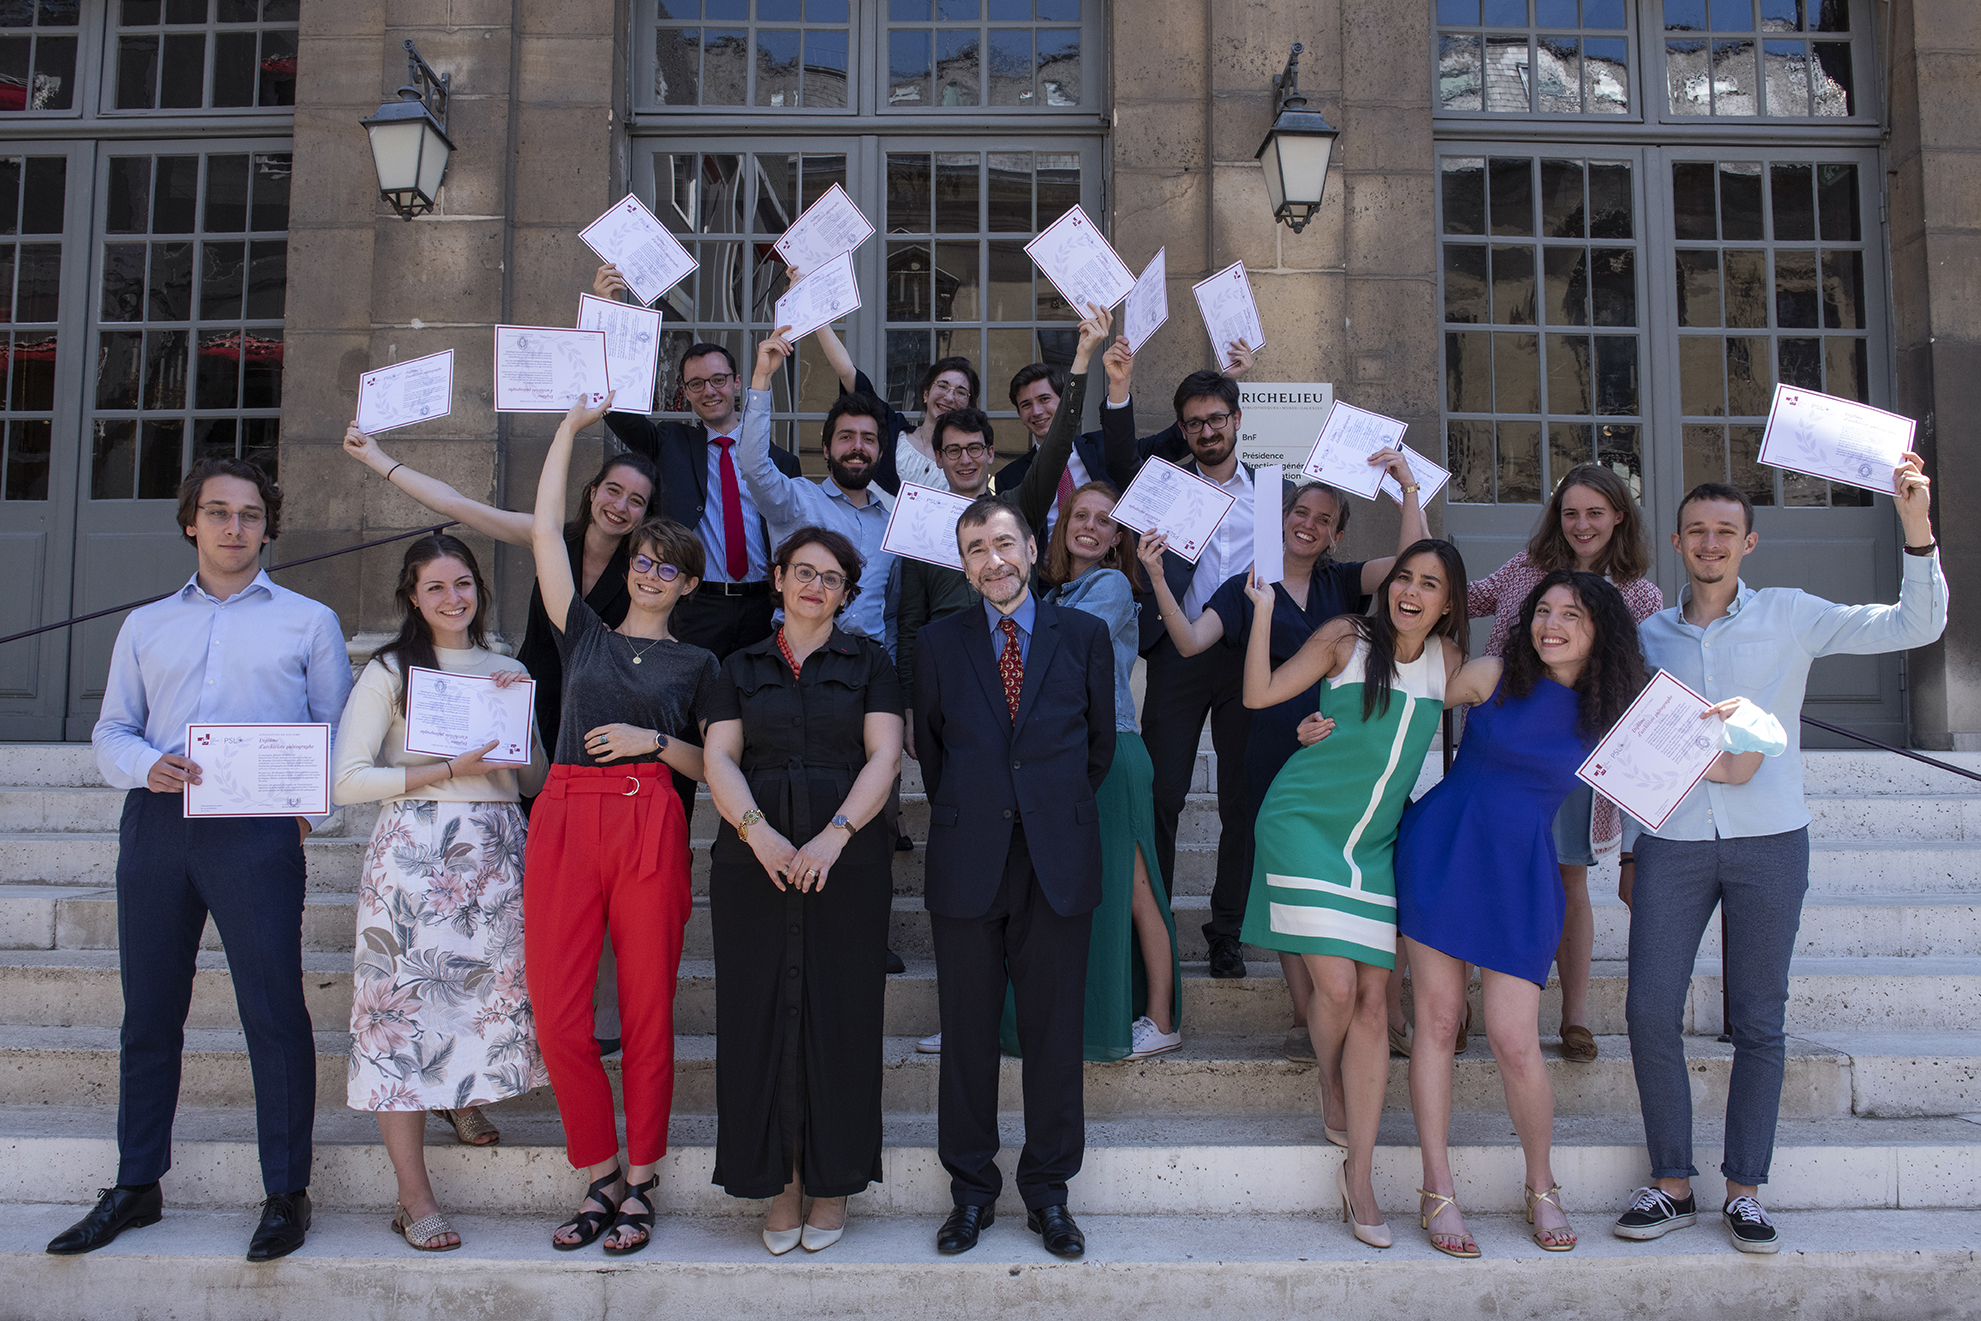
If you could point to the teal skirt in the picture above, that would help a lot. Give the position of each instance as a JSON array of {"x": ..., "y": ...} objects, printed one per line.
[{"x": 1117, "y": 983}]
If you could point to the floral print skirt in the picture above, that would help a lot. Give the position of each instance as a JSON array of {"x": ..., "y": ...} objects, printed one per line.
[{"x": 440, "y": 1014}]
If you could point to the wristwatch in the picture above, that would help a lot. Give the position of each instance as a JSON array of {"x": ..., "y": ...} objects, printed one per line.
[{"x": 842, "y": 823}]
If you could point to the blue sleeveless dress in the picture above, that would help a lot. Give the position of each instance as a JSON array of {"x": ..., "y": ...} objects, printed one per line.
[{"x": 1476, "y": 876}]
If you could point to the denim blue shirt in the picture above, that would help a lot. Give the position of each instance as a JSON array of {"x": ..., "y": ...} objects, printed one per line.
[
  {"x": 265, "y": 654},
  {"x": 1761, "y": 650},
  {"x": 1105, "y": 594},
  {"x": 1023, "y": 616}
]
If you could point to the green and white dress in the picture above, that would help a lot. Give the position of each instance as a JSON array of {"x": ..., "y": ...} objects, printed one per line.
[{"x": 1321, "y": 875}]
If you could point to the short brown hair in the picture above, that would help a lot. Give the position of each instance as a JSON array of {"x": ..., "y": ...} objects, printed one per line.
[
  {"x": 1717, "y": 491},
  {"x": 1625, "y": 558},
  {"x": 836, "y": 544},
  {"x": 196, "y": 479},
  {"x": 668, "y": 542}
]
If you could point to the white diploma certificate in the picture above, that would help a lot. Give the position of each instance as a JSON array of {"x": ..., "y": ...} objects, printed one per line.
[
  {"x": 406, "y": 392},
  {"x": 1229, "y": 311},
  {"x": 1340, "y": 456},
  {"x": 449, "y": 714},
  {"x": 1080, "y": 263},
  {"x": 1824, "y": 436},
  {"x": 1268, "y": 526},
  {"x": 821, "y": 298},
  {"x": 651, "y": 259},
  {"x": 543, "y": 369},
  {"x": 1181, "y": 505},
  {"x": 632, "y": 350},
  {"x": 1148, "y": 302},
  {"x": 1654, "y": 755},
  {"x": 923, "y": 525},
  {"x": 830, "y": 227},
  {"x": 259, "y": 770},
  {"x": 1429, "y": 476}
]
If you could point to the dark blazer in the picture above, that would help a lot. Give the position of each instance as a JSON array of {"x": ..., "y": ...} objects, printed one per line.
[
  {"x": 680, "y": 451},
  {"x": 982, "y": 768}
]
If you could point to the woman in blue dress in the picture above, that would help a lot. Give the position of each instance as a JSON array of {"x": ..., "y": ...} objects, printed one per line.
[{"x": 1476, "y": 878}]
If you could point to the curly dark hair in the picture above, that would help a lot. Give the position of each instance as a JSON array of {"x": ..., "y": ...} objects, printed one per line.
[{"x": 1614, "y": 673}]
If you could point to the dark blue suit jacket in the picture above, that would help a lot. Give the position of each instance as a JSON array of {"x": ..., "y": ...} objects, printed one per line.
[
  {"x": 981, "y": 768},
  {"x": 680, "y": 451}
]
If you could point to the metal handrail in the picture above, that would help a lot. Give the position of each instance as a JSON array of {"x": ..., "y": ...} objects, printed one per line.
[
  {"x": 1903, "y": 752},
  {"x": 273, "y": 568}
]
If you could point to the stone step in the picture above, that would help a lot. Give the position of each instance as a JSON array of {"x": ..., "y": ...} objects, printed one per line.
[
  {"x": 1841, "y": 926},
  {"x": 1914, "y": 1265}
]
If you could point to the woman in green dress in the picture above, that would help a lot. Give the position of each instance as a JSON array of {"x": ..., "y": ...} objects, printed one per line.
[{"x": 1322, "y": 886}]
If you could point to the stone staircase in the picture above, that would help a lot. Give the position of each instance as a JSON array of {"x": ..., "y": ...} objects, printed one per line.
[{"x": 1207, "y": 1182}]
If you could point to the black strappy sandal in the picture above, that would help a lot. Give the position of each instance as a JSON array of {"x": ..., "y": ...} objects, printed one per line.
[
  {"x": 640, "y": 1220},
  {"x": 590, "y": 1224}
]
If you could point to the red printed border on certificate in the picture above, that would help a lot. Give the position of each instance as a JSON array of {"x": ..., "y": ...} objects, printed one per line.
[
  {"x": 315, "y": 808},
  {"x": 495, "y": 364},
  {"x": 528, "y": 685},
  {"x": 1767, "y": 434},
  {"x": 1077, "y": 218},
  {"x": 1583, "y": 773},
  {"x": 1194, "y": 553},
  {"x": 782, "y": 245},
  {"x": 365, "y": 381}
]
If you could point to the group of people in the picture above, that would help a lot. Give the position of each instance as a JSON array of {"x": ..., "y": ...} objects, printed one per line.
[{"x": 714, "y": 617}]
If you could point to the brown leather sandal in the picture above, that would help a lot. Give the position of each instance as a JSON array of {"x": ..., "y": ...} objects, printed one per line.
[
  {"x": 471, "y": 1127},
  {"x": 1578, "y": 1043}
]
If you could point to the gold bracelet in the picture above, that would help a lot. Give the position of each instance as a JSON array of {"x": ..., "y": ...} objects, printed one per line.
[
  {"x": 1408, "y": 489},
  {"x": 744, "y": 822}
]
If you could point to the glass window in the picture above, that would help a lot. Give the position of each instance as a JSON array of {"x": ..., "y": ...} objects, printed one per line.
[
  {"x": 1759, "y": 59},
  {"x": 188, "y": 321},
  {"x": 33, "y": 193},
  {"x": 204, "y": 54},
  {"x": 974, "y": 54},
  {"x": 708, "y": 54},
  {"x": 1547, "y": 57},
  {"x": 38, "y": 55}
]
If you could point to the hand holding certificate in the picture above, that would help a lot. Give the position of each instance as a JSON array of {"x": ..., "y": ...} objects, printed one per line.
[
  {"x": 923, "y": 526},
  {"x": 448, "y": 715},
  {"x": 1231, "y": 315},
  {"x": 1656, "y": 752},
  {"x": 259, "y": 770},
  {"x": 650, "y": 259},
  {"x": 1824, "y": 436},
  {"x": 1430, "y": 478},
  {"x": 830, "y": 227},
  {"x": 1148, "y": 302},
  {"x": 1080, "y": 263},
  {"x": 1182, "y": 506},
  {"x": 540, "y": 369},
  {"x": 821, "y": 298},
  {"x": 632, "y": 348},
  {"x": 406, "y": 392},
  {"x": 1340, "y": 456}
]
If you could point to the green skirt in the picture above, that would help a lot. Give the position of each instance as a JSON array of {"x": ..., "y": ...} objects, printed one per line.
[{"x": 1117, "y": 983}]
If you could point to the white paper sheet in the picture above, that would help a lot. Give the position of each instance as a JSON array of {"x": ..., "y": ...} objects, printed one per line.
[
  {"x": 1230, "y": 313},
  {"x": 1080, "y": 263},
  {"x": 1430, "y": 479},
  {"x": 632, "y": 350},
  {"x": 829, "y": 227},
  {"x": 650, "y": 258},
  {"x": 1844, "y": 441},
  {"x": 406, "y": 392},
  {"x": 1654, "y": 755},
  {"x": 259, "y": 770},
  {"x": 1181, "y": 505},
  {"x": 1340, "y": 456},
  {"x": 544, "y": 369},
  {"x": 1268, "y": 531},
  {"x": 821, "y": 298},
  {"x": 923, "y": 525},
  {"x": 450, "y": 714},
  {"x": 1148, "y": 302}
]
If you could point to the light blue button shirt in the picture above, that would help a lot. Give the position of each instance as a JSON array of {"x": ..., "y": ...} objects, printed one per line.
[
  {"x": 1761, "y": 650},
  {"x": 1023, "y": 616},
  {"x": 712, "y": 533},
  {"x": 1105, "y": 594},
  {"x": 265, "y": 654},
  {"x": 789, "y": 503}
]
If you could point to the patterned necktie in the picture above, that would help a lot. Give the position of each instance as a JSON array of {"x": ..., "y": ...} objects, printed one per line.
[
  {"x": 736, "y": 554},
  {"x": 1063, "y": 496},
  {"x": 1011, "y": 666}
]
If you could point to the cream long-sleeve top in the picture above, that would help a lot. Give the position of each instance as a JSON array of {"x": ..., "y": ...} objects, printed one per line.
[{"x": 372, "y": 760}]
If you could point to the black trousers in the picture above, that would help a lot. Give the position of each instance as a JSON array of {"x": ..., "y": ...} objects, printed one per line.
[
  {"x": 1182, "y": 690},
  {"x": 248, "y": 873},
  {"x": 1044, "y": 958}
]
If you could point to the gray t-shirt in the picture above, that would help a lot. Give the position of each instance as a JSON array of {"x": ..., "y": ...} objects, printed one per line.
[{"x": 667, "y": 690}]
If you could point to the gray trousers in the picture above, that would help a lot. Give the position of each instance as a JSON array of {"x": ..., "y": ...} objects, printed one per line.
[{"x": 1761, "y": 881}]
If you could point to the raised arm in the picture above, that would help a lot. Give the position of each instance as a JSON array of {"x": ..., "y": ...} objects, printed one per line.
[
  {"x": 1474, "y": 682},
  {"x": 836, "y": 356},
  {"x": 502, "y": 524},
  {"x": 1412, "y": 529},
  {"x": 547, "y": 530},
  {"x": 1319, "y": 656},
  {"x": 1921, "y": 613},
  {"x": 1191, "y": 636},
  {"x": 1035, "y": 493},
  {"x": 777, "y": 495}
]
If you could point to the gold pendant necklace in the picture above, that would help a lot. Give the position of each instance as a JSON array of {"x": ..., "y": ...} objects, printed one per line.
[{"x": 642, "y": 651}]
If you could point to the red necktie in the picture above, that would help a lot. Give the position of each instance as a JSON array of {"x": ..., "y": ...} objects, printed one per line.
[
  {"x": 736, "y": 553},
  {"x": 1011, "y": 665},
  {"x": 1064, "y": 495}
]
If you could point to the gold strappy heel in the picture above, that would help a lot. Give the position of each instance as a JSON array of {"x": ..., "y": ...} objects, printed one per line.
[
  {"x": 1467, "y": 1248},
  {"x": 1553, "y": 1197}
]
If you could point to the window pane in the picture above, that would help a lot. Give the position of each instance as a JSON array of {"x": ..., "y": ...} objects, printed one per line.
[
  {"x": 777, "y": 67},
  {"x": 137, "y": 72},
  {"x": 1800, "y": 362},
  {"x": 1513, "y": 285},
  {"x": 222, "y": 267},
  {"x": 113, "y": 460},
  {"x": 268, "y": 279},
  {"x": 1833, "y": 86},
  {"x": 1749, "y": 375},
  {"x": 957, "y": 293},
  {"x": 1701, "y": 376},
  {"x": 1843, "y": 290},
  {"x": 1465, "y": 298},
  {"x": 1569, "y": 443},
  {"x": 1569, "y": 372},
  {"x": 261, "y": 369},
  {"x": 175, "y": 200},
  {"x": 825, "y": 70},
  {"x": 1469, "y": 455},
  {"x": 1010, "y": 293},
  {"x": 31, "y": 385},
  {"x": 129, "y": 203},
  {"x": 1698, "y": 287},
  {"x": 1461, "y": 82},
  {"x": 214, "y": 438},
  {"x": 6, "y": 283},
  {"x": 1795, "y": 289},
  {"x": 1616, "y": 375},
  {"x": 1517, "y": 374},
  {"x": 959, "y": 68},
  {"x": 1011, "y": 66},
  {"x": 219, "y": 370},
  {"x": 169, "y": 291},
  {"x": 1059, "y": 67},
  {"x": 43, "y": 202},
  {"x": 1618, "y": 449},
  {"x": 1846, "y": 367},
  {"x": 1735, "y": 91},
  {"x": 183, "y": 71},
  {"x": 725, "y": 66},
  {"x": 1836, "y": 202},
  {"x": 1008, "y": 352},
  {"x": 956, "y": 192},
  {"x": 910, "y": 188},
  {"x": 1746, "y": 469},
  {"x": 159, "y": 459},
  {"x": 278, "y": 69},
  {"x": 1059, "y": 185},
  {"x": 1468, "y": 370},
  {"x": 271, "y": 192},
  {"x": 1010, "y": 192},
  {"x": 236, "y": 72},
  {"x": 1746, "y": 287},
  {"x": 1740, "y": 200},
  {"x": 226, "y": 194},
  {"x": 123, "y": 282},
  {"x": 907, "y": 359},
  {"x": 677, "y": 66},
  {"x": 1519, "y": 463},
  {"x": 1705, "y": 454},
  {"x": 164, "y": 370},
  {"x": 1507, "y": 75},
  {"x": 908, "y": 282},
  {"x": 1606, "y": 74},
  {"x": 1785, "y": 64},
  {"x": 1563, "y": 214},
  {"x": 1463, "y": 183},
  {"x": 1512, "y": 195},
  {"x": 1613, "y": 287},
  {"x": 1567, "y": 301},
  {"x": 28, "y": 447},
  {"x": 908, "y": 68},
  {"x": 1559, "y": 65},
  {"x": 1792, "y": 193}
]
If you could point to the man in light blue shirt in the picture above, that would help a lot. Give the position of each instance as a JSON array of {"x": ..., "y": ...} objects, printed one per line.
[
  {"x": 1741, "y": 845},
  {"x": 230, "y": 647},
  {"x": 845, "y": 501}
]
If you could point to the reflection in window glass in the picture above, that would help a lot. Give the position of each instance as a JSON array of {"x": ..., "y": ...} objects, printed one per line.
[
  {"x": 33, "y": 198},
  {"x": 1720, "y": 65},
  {"x": 178, "y": 56},
  {"x": 1500, "y": 57}
]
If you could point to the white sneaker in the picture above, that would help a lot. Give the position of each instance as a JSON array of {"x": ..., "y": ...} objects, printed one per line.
[
  {"x": 929, "y": 1045},
  {"x": 1148, "y": 1039}
]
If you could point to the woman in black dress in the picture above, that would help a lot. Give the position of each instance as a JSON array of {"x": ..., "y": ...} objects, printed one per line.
[{"x": 802, "y": 745}]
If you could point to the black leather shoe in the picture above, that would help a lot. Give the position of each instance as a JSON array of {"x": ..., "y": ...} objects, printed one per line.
[
  {"x": 1226, "y": 961},
  {"x": 894, "y": 963},
  {"x": 1055, "y": 1225},
  {"x": 117, "y": 1209},
  {"x": 285, "y": 1218},
  {"x": 607, "y": 1047},
  {"x": 959, "y": 1232}
]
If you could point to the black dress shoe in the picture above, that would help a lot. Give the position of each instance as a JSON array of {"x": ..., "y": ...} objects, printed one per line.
[
  {"x": 1055, "y": 1225},
  {"x": 1226, "y": 960},
  {"x": 117, "y": 1209},
  {"x": 607, "y": 1047},
  {"x": 959, "y": 1232},
  {"x": 894, "y": 963},
  {"x": 285, "y": 1218},
  {"x": 903, "y": 844}
]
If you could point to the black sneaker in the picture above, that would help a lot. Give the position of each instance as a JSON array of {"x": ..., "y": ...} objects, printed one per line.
[
  {"x": 1654, "y": 1213},
  {"x": 1226, "y": 960},
  {"x": 1751, "y": 1229}
]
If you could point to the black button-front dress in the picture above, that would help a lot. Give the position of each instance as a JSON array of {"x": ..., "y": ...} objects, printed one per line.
[{"x": 800, "y": 979}]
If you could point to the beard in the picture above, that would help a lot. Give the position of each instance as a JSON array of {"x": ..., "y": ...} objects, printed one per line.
[
  {"x": 1209, "y": 454},
  {"x": 849, "y": 479}
]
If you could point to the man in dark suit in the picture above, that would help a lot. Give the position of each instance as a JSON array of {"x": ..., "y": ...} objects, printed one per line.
[
  {"x": 1014, "y": 708},
  {"x": 1106, "y": 455}
]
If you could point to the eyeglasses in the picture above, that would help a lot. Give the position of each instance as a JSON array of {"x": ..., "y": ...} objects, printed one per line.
[
  {"x": 1197, "y": 426},
  {"x": 219, "y": 516},
  {"x": 647, "y": 564},
  {"x": 701, "y": 383},
  {"x": 955, "y": 452},
  {"x": 831, "y": 579}
]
